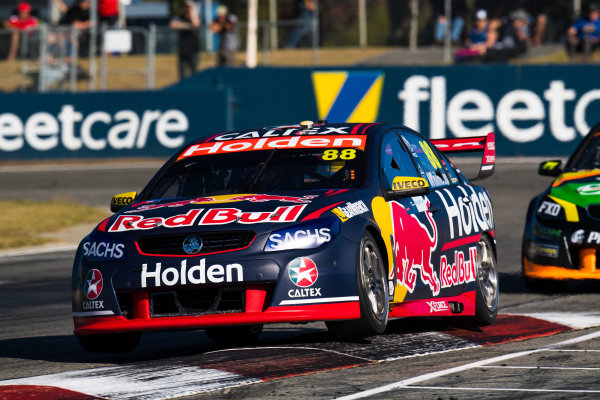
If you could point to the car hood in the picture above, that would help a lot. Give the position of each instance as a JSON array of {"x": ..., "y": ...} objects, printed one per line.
[
  {"x": 259, "y": 212},
  {"x": 581, "y": 188}
]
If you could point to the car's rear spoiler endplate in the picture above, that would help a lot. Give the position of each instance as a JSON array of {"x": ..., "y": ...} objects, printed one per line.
[{"x": 485, "y": 144}]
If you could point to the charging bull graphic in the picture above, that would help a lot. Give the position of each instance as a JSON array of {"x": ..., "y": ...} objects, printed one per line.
[{"x": 413, "y": 247}]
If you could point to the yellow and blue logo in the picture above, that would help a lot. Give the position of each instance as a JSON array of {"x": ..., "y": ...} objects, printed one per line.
[{"x": 348, "y": 96}]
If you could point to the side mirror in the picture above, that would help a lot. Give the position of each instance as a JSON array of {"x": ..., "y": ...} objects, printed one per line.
[
  {"x": 550, "y": 168},
  {"x": 121, "y": 200},
  {"x": 407, "y": 186}
]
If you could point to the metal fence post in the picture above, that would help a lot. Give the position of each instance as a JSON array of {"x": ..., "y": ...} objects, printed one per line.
[
  {"x": 93, "y": 38},
  {"x": 43, "y": 49},
  {"x": 315, "y": 35},
  {"x": 447, "y": 44},
  {"x": 266, "y": 27},
  {"x": 414, "y": 21},
  {"x": 74, "y": 55},
  {"x": 151, "y": 51},
  {"x": 103, "y": 59},
  {"x": 362, "y": 23}
]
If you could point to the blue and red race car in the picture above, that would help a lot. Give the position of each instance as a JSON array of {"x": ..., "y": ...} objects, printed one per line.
[{"x": 350, "y": 224}]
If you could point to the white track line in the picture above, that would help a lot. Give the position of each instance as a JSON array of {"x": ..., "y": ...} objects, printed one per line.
[
  {"x": 535, "y": 367},
  {"x": 422, "y": 378},
  {"x": 484, "y": 389},
  {"x": 34, "y": 251}
]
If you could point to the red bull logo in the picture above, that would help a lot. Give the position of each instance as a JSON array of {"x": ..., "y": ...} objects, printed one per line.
[
  {"x": 255, "y": 198},
  {"x": 413, "y": 247}
]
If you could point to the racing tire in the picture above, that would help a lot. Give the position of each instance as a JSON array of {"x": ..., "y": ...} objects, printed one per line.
[
  {"x": 372, "y": 292},
  {"x": 235, "y": 335},
  {"x": 112, "y": 343},
  {"x": 486, "y": 284}
]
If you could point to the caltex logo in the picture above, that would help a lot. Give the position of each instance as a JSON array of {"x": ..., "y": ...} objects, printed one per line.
[
  {"x": 303, "y": 272},
  {"x": 93, "y": 284}
]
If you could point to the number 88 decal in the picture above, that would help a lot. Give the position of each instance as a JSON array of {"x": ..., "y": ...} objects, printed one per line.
[{"x": 346, "y": 154}]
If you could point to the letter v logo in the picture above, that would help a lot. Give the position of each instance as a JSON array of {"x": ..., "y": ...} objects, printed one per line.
[{"x": 348, "y": 96}]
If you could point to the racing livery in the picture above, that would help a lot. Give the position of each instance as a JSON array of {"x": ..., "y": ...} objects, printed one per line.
[
  {"x": 562, "y": 229},
  {"x": 350, "y": 224}
]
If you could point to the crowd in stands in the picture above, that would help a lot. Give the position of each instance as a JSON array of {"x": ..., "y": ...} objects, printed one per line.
[{"x": 481, "y": 30}]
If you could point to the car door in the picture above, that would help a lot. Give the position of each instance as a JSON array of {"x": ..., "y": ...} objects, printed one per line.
[{"x": 419, "y": 221}]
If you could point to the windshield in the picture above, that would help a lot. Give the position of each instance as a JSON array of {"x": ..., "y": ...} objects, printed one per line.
[
  {"x": 261, "y": 171},
  {"x": 590, "y": 157}
]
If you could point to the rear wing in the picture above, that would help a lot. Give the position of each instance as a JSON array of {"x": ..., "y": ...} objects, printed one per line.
[{"x": 485, "y": 144}]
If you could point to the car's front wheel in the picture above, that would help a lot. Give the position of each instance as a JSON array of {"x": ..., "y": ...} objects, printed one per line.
[
  {"x": 486, "y": 288},
  {"x": 110, "y": 342},
  {"x": 372, "y": 292}
]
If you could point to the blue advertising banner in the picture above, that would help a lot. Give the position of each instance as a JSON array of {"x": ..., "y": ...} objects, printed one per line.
[
  {"x": 534, "y": 109},
  {"x": 88, "y": 125}
]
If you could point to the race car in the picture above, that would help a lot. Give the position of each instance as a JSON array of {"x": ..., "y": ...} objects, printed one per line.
[
  {"x": 351, "y": 224},
  {"x": 562, "y": 229}
]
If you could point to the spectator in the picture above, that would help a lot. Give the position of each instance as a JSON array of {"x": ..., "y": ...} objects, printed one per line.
[
  {"x": 225, "y": 25},
  {"x": 583, "y": 36},
  {"x": 458, "y": 22},
  {"x": 19, "y": 23},
  {"x": 108, "y": 12},
  {"x": 305, "y": 12},
  {"x": 77, "y": 15},
  {"x": 187, "y": 24},
  {"x": 482, "y": 38},
  {"x": 516, "y": 37}
]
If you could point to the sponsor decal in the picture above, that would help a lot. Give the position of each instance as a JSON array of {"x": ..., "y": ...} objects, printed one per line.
[
  {"x": 283, "y": 131},
  {"x": 549, "y": 208},
  {"x": 298, "y": 239},
  {"x": 401, "y": 183},
  {"x": 544, "y": 250},
  {"x": 437, "y": 306},
  {"x": 215, "y": 216},
  {"x": 350, "y": 210},
  {"x": 303, "y": 272},
  {"x": 99, "y": 250},
  {"x": 123, "y": 199},
  {"x": 459, "y": 272},
  {"x": 541, "y": 230},
  {"x": 578, "y": 236},
  {"x": 296, "y": 142},
  {"x": 591, "y": 189},
  {"x": 307, "y": 292},
  {"x": 550, "y": 165},
  {"x": 472, "y": 112},
  {"x": 192, "y": 244},
  {"x": 467, "y": 214},
  {"x": 194, "y": 275},
  {"x": 93, "y": 305},
  {"x": 92, "y": 286},
  {"x": 413, "y": 247},
  {"x": 126, "y": 129},
  {"x": 350, "y": 96},
  {"x": 254, "y": 198}
]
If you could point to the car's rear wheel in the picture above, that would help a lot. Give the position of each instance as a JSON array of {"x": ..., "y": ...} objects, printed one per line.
[
  {"x": 486, "y": 286},
  {"x": 110, "y": 342},
  {"x": 372, "y": 292},
  {"x": 235, "y": 335}
]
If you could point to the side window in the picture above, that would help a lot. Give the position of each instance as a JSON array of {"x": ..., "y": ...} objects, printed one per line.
[
  {"x": 394, "y": 159},
  {"x": 449, "y": 169},
  {"x": 427, "y": 160}
]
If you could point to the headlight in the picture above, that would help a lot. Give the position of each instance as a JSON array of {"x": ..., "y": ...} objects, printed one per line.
[{"x": 308, "y": 235}]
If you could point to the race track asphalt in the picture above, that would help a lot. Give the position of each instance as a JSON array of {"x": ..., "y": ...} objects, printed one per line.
[{"x": 35, "y": 320}]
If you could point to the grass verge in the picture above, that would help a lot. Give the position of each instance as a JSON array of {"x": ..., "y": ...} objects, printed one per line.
[{"x": 23, "y": 222}]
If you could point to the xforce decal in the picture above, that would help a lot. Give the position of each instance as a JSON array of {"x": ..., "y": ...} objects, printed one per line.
[
  {"x": 413, "y": 247},
  {"x": 214, "y": 216}
]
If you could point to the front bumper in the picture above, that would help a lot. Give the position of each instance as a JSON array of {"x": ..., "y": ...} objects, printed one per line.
[{"x": 586, "y": 268}]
